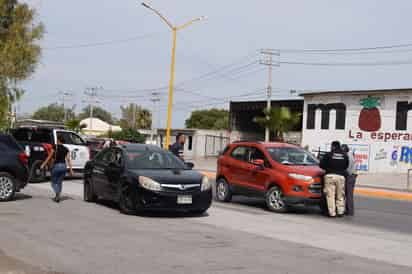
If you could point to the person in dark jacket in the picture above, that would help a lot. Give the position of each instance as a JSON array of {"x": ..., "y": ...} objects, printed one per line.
[
  {"x": 335, "y": 164},
  {"x": 178, "y": 147},
  {"x": 350, "y": 181}
]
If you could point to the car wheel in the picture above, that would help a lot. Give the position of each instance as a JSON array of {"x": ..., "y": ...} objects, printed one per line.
[
  {"x": 7, "y": 186},
  {"x": 275, "y": 201},
  {"x": 127, "y": 200},
  {"x": 88, "y": 192},
  {"x": 37, "y": 175},
  {"x": 223, "y": 192}
]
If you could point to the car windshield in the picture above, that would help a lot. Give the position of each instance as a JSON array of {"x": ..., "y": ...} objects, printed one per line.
[
  {"x": 292, "y": 156},
  {"x": 149, "y": 159}
]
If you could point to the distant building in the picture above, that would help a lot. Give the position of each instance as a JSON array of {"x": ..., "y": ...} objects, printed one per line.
[
  {"x": 242, "y": 114},
  {"x": 376, "y": 124},
  {"x": 97, "y": 127}
]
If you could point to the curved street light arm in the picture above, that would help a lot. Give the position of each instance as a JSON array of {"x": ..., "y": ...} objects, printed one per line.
[
  {"x": 158, "y": 13},
  {"x": 191, "y": 22}
]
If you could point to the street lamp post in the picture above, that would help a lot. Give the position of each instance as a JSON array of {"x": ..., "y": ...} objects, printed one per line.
[{"x": 172, "y": 66}]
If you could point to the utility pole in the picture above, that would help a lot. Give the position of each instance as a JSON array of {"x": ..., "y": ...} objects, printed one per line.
[
  {"x": 64, "y": 95},
  {"x": 155, "y": 99},
  {"x": 92, "y": 99},
  {"x": 267, "y": 60},
  {"x": 134, "y": 116}
]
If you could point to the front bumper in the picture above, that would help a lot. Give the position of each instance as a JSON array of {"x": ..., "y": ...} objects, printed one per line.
[
  {"x": 296, "y": 200},
  {"x": 167, "y": 200}
]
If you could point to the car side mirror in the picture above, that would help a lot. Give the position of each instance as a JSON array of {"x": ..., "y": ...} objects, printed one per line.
[
  {"x": 189, "y": 165},
  {"x": 259, "y": 163}
]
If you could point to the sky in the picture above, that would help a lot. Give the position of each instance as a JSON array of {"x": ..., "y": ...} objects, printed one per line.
[{"x": 125, "y": 50}]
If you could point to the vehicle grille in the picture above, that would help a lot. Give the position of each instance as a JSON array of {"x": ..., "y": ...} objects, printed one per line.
[
  {"x": 180, "y": 187},
  {"x": 315, "y": 188}
]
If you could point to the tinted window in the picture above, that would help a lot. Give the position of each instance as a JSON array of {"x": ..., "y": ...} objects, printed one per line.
[
  {"x": 147, "y": 159},
  {"x": 241, "y": 153},
  {"x": 33, "y": 135},
  {"x": 7, "y": 142},
  {"x": 292, "y": 156}
]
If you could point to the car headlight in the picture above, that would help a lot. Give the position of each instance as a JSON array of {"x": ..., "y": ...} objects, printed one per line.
[
  {"x": 300, "y": 177},
  {"x": 206, "y": 184},
  {"x": 149, "y": 184}
]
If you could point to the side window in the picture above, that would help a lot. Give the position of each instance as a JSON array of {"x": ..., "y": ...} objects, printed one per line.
[
  {"x": 258, "y": 154},
  {"x": 241, "y": 154},
  {"x": 66, "y": 136},
  {"x": 76, "y": 140}
]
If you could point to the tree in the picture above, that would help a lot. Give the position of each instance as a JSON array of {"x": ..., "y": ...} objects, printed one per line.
[
  {"x": 19, "y": 51},
  {"x": 53, "y": 112},
  {"x": 209, "y": 119},
  {"x": 127, "y": 134},
  {"x": 75, "y": 125},
  {"x": 98, "y": 112},
  {"x": 136, "y": 117},
  {"x": 279, "y": 120}
]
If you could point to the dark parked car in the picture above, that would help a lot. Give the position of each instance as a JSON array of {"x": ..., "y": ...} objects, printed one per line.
[
  {"x": 145, "y": 177},
  {"x": 13, "y": 168}
]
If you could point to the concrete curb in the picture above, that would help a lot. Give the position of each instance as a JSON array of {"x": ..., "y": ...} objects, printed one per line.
[{"x": 360, "y": 191}]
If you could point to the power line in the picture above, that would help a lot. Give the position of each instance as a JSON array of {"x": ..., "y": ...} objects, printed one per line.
[
  {"x": 103, "y": 43},
  {"x": 348, "y": 49},
  {"x": 348, "y": 64}
]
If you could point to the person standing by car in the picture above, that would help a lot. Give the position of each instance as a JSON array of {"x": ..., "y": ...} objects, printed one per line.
[
  {"x": 178, "y": 147},
  {"x": 335, "y": 164},
  {"x": 350, "y": 181},
  {"x": 60, "y": 158}
]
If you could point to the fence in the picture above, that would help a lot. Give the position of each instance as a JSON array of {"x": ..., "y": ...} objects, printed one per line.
[{"x": 215, "y": 144}]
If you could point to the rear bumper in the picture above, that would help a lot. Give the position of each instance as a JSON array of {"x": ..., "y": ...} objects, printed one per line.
[
  {"x": 167, "y": 201},
  {"x": 295, "y": 200}
]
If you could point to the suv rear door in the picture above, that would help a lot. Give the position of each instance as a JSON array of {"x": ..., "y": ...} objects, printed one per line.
[{"x": 79, "y": 151}]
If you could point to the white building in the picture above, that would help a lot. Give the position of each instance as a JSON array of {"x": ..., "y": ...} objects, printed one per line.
[
  {"x": 97, "y": 127},
  {"x": 376, "y": 124}
]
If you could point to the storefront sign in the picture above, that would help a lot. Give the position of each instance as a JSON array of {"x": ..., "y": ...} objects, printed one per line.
[{"x": 361, "y": 154}]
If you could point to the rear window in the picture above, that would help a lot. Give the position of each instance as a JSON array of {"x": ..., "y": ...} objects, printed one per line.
[{"x": 33, "y": 135}]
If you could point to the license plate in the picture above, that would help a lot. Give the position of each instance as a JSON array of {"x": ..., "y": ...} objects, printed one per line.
[{"x": 184, "y": 199}]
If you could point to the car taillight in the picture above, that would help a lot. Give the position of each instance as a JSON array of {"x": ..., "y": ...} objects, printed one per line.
[{"x": 23, "y": 158}]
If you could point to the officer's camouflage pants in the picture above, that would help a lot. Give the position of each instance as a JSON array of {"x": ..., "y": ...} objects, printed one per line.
[{"x": 334, "y": 190}]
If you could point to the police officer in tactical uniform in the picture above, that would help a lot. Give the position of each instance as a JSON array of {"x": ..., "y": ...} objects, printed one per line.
[{"x": 335, "y": 164}]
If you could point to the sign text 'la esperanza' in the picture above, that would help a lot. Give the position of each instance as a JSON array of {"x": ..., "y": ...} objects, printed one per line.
[{"x": 380, "y": 136}]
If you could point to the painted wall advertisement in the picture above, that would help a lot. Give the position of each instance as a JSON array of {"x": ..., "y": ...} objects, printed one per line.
[{"x": 361, "y": 154}]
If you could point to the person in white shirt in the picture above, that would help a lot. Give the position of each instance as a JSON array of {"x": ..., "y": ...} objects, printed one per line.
[{"x": 350, "y": 181}]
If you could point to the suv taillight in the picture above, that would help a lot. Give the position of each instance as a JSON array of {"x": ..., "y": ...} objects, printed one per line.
[{"x": 23, "y": 158}]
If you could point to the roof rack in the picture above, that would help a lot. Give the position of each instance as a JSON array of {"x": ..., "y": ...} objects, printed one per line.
[{"x": 247, "y": 141}]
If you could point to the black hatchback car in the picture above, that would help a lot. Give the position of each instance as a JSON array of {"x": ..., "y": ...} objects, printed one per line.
[{"x": 145, "y": 177}]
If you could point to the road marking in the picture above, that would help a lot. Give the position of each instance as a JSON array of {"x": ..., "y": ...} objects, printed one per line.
[{"x": 360, "y": 191}]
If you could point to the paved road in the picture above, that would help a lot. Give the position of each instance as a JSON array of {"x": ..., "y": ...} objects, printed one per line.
[{"x": 241, "y": 237}]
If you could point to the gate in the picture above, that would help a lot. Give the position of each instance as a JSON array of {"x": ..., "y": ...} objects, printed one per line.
[{"x": 215, "y": 145}]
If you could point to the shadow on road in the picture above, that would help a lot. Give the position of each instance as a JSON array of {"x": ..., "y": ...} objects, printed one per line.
[{"x": 21, "y": 197}]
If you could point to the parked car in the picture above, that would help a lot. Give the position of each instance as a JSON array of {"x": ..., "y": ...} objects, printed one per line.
[
  {"x": 38, "y": 142},
  {"x": 145, "y": 177},
  {"x": 13, "y": 168},
  {"x": 284, "y": 174}
]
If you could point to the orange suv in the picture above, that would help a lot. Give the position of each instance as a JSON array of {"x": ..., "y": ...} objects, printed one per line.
[{"x": 284, "y": 174}]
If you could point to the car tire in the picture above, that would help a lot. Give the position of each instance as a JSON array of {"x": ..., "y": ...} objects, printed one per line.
[
  {"x": 7, "y": 187},
  {"x": 223, "y": 191},
  {"x": 275, "y": 201},
  {"x": 88, "y": 192},
  {"x": 37, "y": 175},
  {"x": 127, "y": 200}
]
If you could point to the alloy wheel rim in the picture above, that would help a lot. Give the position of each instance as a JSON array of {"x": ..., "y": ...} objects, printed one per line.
[
  {"x": 221, "y": 190},
  {"x": 275, "y": 199},
  {"x": 6, "y": 187}
]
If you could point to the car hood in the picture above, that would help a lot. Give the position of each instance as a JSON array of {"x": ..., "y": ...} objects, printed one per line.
[
  {"x": 167, "y": 176},
  {"x": 305, "y": 170}
]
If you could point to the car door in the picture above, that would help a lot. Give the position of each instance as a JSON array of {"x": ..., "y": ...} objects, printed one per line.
[
  {"x": 259, "y": 176},
  {"x": 99, "y": 178},
  {"x": 79, "y": 151},
  {"x": 113, "y": 172},
  {"x": 241, "y": 167}
]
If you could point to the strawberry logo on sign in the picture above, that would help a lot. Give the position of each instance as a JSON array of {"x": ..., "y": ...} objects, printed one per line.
[{"x": 370, "y": 117}]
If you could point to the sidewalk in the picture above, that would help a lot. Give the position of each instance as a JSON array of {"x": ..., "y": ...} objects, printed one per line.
[{"x": 382, "y": 185}]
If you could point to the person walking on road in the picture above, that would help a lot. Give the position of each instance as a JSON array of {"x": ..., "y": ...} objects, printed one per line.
[
  {"x": 60, "y": 160},
  {"x": 178, "y": 147},
  {"x": 350, "y": 181},
  {"x": 335, "y": 164}
]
